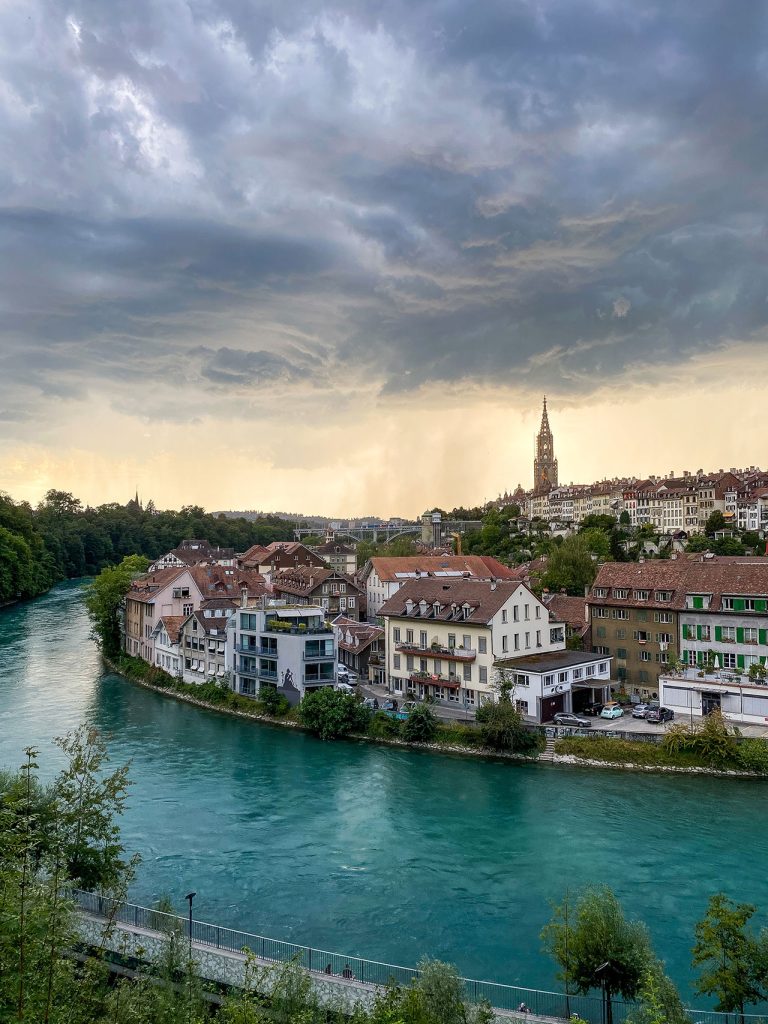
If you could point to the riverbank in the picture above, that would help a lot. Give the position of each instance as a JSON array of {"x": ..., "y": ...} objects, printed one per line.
[{"x": 568, "y": 752}]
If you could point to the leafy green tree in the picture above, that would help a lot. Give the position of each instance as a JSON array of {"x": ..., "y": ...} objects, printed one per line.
[
  {"x": 598, "y": 542},
  {"x": 715, "y": 522},
  {"x": 332, "y": 714},
  {"x": 104, "y": 599},
  {"x": 274, "y": 703},
  {"x": 597, "y": 948},
  {"x": 420, "y": 726},
  {"x": 728, "y": 546},
  {"x": 729, "y": 955},
  {"x": 658, "y": 1000},
  {"x": 570, "y": 567},
  {"x": 698, "y": 542},
  {"x": 597, "y": 522},
  {"x": 502, "y": 727},
  {"x": 625, "y": 519}
]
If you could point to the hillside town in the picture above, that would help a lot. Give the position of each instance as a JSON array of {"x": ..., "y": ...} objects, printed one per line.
[{"x": 679, "y": 625}]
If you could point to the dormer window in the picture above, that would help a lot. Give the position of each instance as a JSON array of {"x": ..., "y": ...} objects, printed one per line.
[
  {"x": 466, "y": 610},
  {"x": 600, "y": 592},
  {"x": 663, "y": 595},
  {"x": 436, "y": 608},
  {"x": 620, "y": 593},
  {"x": 641, "y": 595},
  {"x": 422, "y": 607},
  {"x": 409, "y": 606}
]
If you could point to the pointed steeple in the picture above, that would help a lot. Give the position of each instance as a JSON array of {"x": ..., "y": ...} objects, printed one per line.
[{"x": 545, "y": 463}]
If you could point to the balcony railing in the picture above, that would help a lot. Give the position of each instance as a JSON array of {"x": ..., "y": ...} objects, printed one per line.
[
  {"x": 430, "y": 679},
  {"x": 263, "y": 673},
  {"x": 438, "y": 651},
  {"x": 256, "y": 652},
  {"x": 276, "y": 626},
  {"x": 322, "y": 656}
]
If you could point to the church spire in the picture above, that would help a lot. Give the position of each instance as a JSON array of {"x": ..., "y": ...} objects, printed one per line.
[{"x": 544, "y": 463}]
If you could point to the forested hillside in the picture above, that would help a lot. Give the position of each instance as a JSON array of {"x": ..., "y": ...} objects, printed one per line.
[{"x": 62, "y": 539}]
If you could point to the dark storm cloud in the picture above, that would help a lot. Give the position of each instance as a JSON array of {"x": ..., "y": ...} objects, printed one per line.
[{"x": 418, "y": 191}]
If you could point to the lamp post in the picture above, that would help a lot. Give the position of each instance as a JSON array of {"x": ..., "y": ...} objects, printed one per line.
[
  {"x": 599, "y": 970},
  {"x": 189, "y": 897}
]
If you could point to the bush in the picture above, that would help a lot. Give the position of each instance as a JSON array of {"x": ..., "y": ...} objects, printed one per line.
[
  {"x": 502, "y": 728},
  {"x": 331, "y": 714},
  {"x": 458, "y": 735},
  {"x": 272, "y": 702},
  {"x": 713, "y": 741},
  {"x": 753, "y": 756},
  {"x": 383, "y": 726},
  {"x": 420, "y": 726},
  {"x": 213, "y": 693}
]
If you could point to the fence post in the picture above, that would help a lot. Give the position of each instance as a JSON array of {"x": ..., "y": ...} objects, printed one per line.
[
  {"x": 262, "y": 949},
  {"x": 310, "y": 958},
  {"x": 218, "y": 937},
  {"x": 136, "y": 916}
]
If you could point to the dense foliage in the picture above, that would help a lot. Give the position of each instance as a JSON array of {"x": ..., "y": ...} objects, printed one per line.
[
  {"x": 502, "y": 728},
  {"x": 104, "y": 600},
  {"x": 420, "y": 726},
  {"x": 331, "y": 713},
  {"x": 62, "y": 539}
]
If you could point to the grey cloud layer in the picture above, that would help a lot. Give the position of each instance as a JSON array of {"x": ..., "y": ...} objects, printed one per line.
[{"x": 253, "y": 195}]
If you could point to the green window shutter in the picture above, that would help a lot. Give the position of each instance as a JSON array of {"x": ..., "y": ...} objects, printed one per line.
[
  {"x": 763, "y": 636},
  {"x": 760, "y": 606},
  {"x": 698, "y": 632},
  {"x": 739, "y": 634},
  {"x": 738, "y": 604},
  {"x": 698, "y": 602},
  {"x": 740, "y": 660},
  {"x": 718, "y": 633}
]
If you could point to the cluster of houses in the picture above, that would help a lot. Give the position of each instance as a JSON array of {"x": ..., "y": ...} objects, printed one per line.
[
  {"x": 669, "y": 505},
  {"x": 691, "y": 631}
]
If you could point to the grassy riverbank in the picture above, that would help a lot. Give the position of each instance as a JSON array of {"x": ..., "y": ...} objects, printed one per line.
[{"x": 743, "y": 757}]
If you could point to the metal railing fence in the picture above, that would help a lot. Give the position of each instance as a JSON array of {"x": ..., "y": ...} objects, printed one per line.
[{"x": 372, "y": 972}]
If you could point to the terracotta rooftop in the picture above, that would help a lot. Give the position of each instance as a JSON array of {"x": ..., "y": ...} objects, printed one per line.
[
  {"x": 481, "y": 567},
  {"x": 173, "y": 624},
  {"x": 484, "y": 599}
]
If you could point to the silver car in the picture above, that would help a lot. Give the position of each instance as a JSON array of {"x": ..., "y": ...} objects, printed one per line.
[
  {"x": 640, "y": 710},
  {"x": 566, "y": 718}
]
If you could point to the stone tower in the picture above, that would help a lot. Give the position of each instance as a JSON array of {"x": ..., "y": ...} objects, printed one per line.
[{"x": 544, "y": 463}]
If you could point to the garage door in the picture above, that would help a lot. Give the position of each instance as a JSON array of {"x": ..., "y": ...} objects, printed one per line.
[
  {"x": 756, "y": 706},
  {"x": 551, "y": 705},
  {"x": 676, "y": 697}
]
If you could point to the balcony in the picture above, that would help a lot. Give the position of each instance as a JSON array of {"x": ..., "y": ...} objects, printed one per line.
[
  {"x": 284, "y": 626},
  {"x": 266, "y": 675},
  {"x": 256, "y": 652},
  {"x": 323, "y": 656},
  {"x": 437, "y": 651},
  {"x": 429, "y": 679}
]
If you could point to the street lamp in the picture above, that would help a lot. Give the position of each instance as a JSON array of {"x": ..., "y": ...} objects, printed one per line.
[
  {"x": 190, "y": 896},
  {"x": 599, "y": 970}
]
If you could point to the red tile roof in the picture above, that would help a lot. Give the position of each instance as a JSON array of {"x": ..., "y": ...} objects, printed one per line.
[
  {"x": 484, "y": 599},
  {"x": 481, "y": 567}
]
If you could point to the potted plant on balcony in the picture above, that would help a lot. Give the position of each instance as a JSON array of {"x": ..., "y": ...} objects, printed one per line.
[{"x": 757, "y": 673}]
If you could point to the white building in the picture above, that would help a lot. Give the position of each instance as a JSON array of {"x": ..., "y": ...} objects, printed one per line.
[
  {"x": 286, "y": 646},
  {"x": 696, "y": 693},
  {"x": 545, "y": 684}
]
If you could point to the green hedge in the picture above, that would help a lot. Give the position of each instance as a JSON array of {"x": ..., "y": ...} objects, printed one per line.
[{"x": 750, "y": 755}]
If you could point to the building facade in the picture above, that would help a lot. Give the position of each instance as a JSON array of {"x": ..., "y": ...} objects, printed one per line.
[{"x": 289, "y": 647}]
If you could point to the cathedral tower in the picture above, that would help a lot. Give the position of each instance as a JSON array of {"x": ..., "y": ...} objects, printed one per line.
[{"x": 544, "y": 463}]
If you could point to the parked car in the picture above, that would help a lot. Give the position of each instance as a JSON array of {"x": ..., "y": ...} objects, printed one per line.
[
  {"x": 593, "y": 709},
  {"x": 660, "y": 715},
  {"x": 565, "y": 718},
  {"x": 640, "y": 710},
  {"x": 346, "y": 676},
  {"x": 372, "y": 703},
  {"x": 612, "y": 710},
  {"x": 389, "y": 705},
  {"x": 408, "y": 707},
  {"x": 345, "y": 687}
]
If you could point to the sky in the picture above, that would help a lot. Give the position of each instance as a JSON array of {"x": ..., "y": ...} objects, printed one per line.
[{"x": 328, "y": 257}]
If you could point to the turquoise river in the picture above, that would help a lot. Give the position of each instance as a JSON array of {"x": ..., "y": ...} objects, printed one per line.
[{"x": 382, "y": 853}]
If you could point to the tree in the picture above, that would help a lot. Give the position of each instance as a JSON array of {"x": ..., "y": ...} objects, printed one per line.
[
  {"x": 698, "y": 542},
  {"x": 728, "y": 546},
  {"x": 598, "y": 542},
  {"x": 104, "y": 599},
  {"x": 570, "y": 567},
  {"x": 420, "y": 726},
  {"x": 716, "y": 521},
  {"x": 502, "y": 727},
  {"x": 331, "y": 713},
  {"x": 596, "y": 521},
  {"x": 658, "y": 999},
  {"x": 596, "y": 947},
  {"x": 729, "y": 955},
  {"x": 625, "y": 519}
]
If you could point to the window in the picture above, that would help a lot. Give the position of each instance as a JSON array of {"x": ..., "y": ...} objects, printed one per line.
[
  {"x": 602, "y": 668},
  {"x": 396, "y": 635},
  {"x": 350, "y": 602},
  {"x": 620, "y": 594},
  {"x": 562, "y": 677},
  {"x": 600, "y": 631},
  {"x": 187, "y": 609},
  {"x": 620, "y": 613},
  {"x": 520, "y": 679},
  {"x": 621, "y": 634},
  {"x": 422, "y": 664},
  {"x": 538, "y": 638},
  {"x": 482, "y": 645},
  {"x": 538, "y": 611},
  {"x": 409, "y": 663},
  {"x": 750, "y": 635},
  {"x": 503, "y": 614},
  {"x": 600, "y": 592},
  {"x": 517, "y": 641},
  {"x": 342, "y": 604},
  {"x": 527, "y": 640},
  {"x": 516, "y": 614},
  {"x": 641, "y": 636},
  {"x": 483, "y": 675},
  {"x": 728, "y": 634},
  {"x": 641, "y": 595},
  {"x": 549, "y": 680},
  {"x": 504, "y": 644},
  {"x": 466, "y": 642},
  {"x": 451, "y": 640},
  {"x": 599, "y": 613},
  {"x": 664, "y": 638},
  {"x": 642, "y": 676},
  {"x": 602, "y": 650},
  {"x": 663, "y": 595},
  {"x": 729, "y": 660},
  {"x": 396, "y": 661},
  {"x": 527, "y": 611},
  {"x": 662, "y": 616},
  {"x": 621, "y": 652},
  {"x": 422, "y": 639},
  {"x": 522, "y": 706},
  {"x": 467, "y": 673},
  {"x": 645, "y": 655},
  {"x": 409, "y": 636}
]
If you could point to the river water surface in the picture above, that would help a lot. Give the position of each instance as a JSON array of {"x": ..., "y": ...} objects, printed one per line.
[{"x": 371, "y": 851}]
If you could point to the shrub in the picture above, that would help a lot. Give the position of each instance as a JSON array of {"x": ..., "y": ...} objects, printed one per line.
[
  {"x": 420, "y": 726},
  {"x": 331, "y": 714},
  {"x": 502, "y": 728},
  {"x": 272, "y": 702},
  {"x": 753, "y": 756},
  {"x": 456, "y": 734},
  {"x": 713, "y": 741},
  {"x": 384, "y": 726},
  {"x": 212, "y": 692}
]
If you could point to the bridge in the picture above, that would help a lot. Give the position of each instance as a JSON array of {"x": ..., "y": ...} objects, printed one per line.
[{"x": 431, "y": 529}]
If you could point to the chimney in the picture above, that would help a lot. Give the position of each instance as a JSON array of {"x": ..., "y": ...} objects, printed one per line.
[
  {"x": 244, "y": 597},
  {"x": 493, "y": 585}
]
